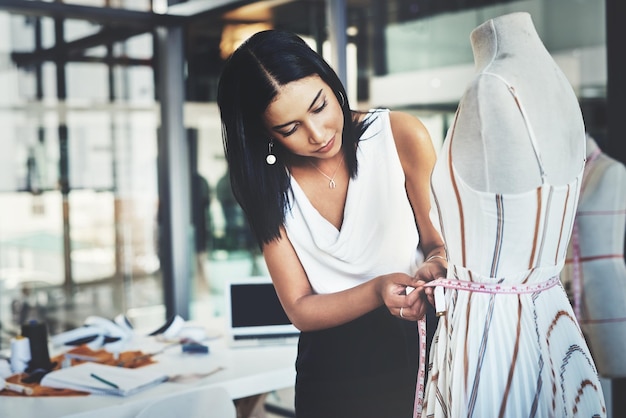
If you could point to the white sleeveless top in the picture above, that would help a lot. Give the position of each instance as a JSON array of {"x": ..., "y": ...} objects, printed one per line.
[{"x": 378, "y": 235}]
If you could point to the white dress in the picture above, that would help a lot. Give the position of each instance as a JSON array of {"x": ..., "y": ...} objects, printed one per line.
[{"x": 508, "y": 354}]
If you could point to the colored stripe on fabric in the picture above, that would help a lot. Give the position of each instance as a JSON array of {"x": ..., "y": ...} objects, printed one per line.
[
  {"x": 499, "y": 236},
  {"x": 509, "y": 380},
  {"x": 558, "y": 246},
  {"x": 531, "y": 262},
  {"x": 458, "y": 196},
  {"x": 546, "y": 222},
  {"x": 481, "y": 355}
]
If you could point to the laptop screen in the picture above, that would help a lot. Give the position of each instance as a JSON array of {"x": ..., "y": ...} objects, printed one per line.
[{"x": 254, "y": 311}]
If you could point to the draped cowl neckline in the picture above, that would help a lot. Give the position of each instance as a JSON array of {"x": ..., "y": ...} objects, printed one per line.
[{"x": 375, "y": 237}]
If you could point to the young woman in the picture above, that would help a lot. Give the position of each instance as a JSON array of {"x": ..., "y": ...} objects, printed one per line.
[{"x": 339, "y": 202}]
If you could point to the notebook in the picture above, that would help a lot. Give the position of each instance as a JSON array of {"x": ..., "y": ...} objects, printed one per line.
[
  {"x": 254, "y": 315},
  {"x": 104, "y": 379}
]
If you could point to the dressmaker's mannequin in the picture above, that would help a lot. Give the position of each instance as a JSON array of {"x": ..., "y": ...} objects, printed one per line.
[
  {"x": 595, "y": 275},
  {"x": 506, "y": 186},
  {"x": 494, "y": 153}
]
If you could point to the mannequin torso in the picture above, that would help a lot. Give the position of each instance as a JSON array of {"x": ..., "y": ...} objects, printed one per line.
[
  {"x": 506, "y": 185},
  {"x": 595, "y": 273},
  {"x": 495, "y": 154}
]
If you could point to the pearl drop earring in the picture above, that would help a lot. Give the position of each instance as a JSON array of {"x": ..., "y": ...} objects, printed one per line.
[{"x": 271, "y": 158}]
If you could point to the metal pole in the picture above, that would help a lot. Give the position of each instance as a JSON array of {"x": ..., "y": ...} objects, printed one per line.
[
  {"x": 336, "y": 24},
  {"x": 174, "y": 187}
]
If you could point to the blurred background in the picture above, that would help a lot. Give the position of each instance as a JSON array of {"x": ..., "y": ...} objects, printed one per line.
[{"x": 114, "y": 195}]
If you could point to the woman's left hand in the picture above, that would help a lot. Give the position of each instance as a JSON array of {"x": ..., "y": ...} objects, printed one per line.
[{"x": 433, "y": 268}]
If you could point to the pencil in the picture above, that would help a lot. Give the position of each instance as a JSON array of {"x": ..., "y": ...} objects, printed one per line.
[{"x": 106, "y": 382}]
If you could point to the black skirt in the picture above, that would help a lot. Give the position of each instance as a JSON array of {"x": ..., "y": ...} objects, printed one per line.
[{"x": 366, "y": 368}]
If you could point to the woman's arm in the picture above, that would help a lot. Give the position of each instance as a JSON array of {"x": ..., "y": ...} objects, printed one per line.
[
  {"x": 417, "y": 156},
  {"x": 309, "y": 311}
]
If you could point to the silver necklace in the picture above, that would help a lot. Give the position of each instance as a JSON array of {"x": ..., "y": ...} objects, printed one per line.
[{"x": 331, "y": 180}]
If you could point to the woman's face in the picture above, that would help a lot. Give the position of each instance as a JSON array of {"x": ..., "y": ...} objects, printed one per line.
[{"x": 306, "y": 118}]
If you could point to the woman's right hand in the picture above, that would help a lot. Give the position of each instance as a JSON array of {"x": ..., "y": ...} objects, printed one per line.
[{"x": 403, "y": 296}]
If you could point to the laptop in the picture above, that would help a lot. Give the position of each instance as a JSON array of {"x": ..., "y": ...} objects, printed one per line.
[{"x": 254, "y": 315}]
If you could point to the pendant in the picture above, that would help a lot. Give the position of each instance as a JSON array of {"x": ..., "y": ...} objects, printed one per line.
[{"x": 332, "y": 184}]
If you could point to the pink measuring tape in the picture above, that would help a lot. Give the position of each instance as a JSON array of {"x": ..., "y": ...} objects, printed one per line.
[{"x": 439, "y": 285}]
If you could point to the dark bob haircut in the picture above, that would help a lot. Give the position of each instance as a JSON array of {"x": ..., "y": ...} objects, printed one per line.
[{"x": 247, "y": 85}]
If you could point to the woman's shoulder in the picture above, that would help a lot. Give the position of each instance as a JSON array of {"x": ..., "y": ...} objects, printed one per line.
[
  {"x": 407, "y": 128},
  {"x": 413, "y": 144}
]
